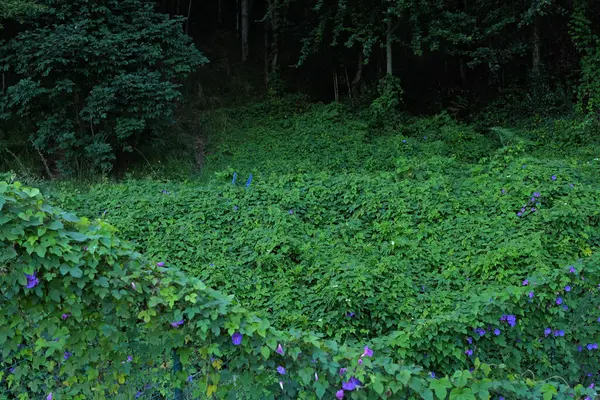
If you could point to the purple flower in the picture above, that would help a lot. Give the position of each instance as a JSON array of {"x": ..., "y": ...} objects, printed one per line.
[
  {"x": 360, "y": 361},
  {"x": 536, "y": 194},
  {"x": 234, "y": 178},
  {"x": 531, "y": 294},
  {"x": 592, "y": 346},
  {"x": 571, "y": 185},
  {"x": 469, "y": 352},
  {"x": 368, "y": 352},
  {"x": 160, "y": 264},
  {"x": 559, "y": 333},
  {"x": 32, "y": 281},
  {"x": 533, "y": 209},
  {"x": 343, "y": 371},
  {"x": 572, "y": 270},
  {"x": 432, "y": 374},
  {"x": 480, "y": 331},
  {"x": 249, "y": 181},
  {"x": 598, "y": 319},
  {"x": 339, "y": 395},
  {"x": 235, "y": 208},
  {"x": 567, "y": 288},
  {"x": 519, "y": 214},
  {"x": 352, "y": 384},
  {"x": 525, "y": 282},
  {"x": 523, "y": 209},
  {"x": 559, "y": 301},
  {"x": 49, "y": 397},
  {"x": 279, "y": 349},
  {"x": 291, "y": 212},
  {"x": 139, "y": 394},
  {"x": 65, "y": 316},
  {"x": 470, "y": 340},
  {"x": 511, "y": 319},
  {"x": 579, "y": 349},
  {"x": 190, "y": 378},
  {"x": 553, "y": 177},
  {"x": 236, "y": 338},
  {"x": 177, "y": 324},
  {"x": 67, "y": 355},
  {"x": 547, "y": 331},
  {"x": 350, "y": 314},
  {"x": 503, "y": 191},
  {"x": 497, "y": 332},
  {"x": 281, "y": 370},
  {"x": 565, "y": 308},
  {"x": 12, "y": 370},
  {"x": 129, "y": 358}
]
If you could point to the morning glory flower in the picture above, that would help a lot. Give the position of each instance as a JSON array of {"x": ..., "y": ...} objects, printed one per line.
[
  {"x": 572, "y": 269},
  {"x": 139, "y": 394},
  {"x": 567, "y": 288},
  {"x": 235, "y": 208},
  {"x": 592, "y": 346},
  {"x": 531, "y": 294},
  {"x": 350, "y": 314},
  {"x": 360, "y": 361},
  {"x": 565, "y": 308},
  {"x": 67, "y": 355},
  {"x": 190, "y": 378},
  {"x": 249, "y": 181},
  {"x": 553, "y": 177},
  {"x": 497, "y": 332},
  {"x": 236, "y": 338},
  {"x": 32, "y": 281},
  {"x": 533, "y": 209},
  {"x": 469, "y": 352},
  {"x": 559, "y": 333},
  {"x": 234, "y": 178},
  {"x": 547, "y": 331},
  {"x": 525, "y": 282},
  {"x": 432, "y": 374},
  {"x": 281, "y": 384},
  {"x": 279, "y": 349},
  {"x": 65, "y": 316},
  {"x": 129, "y": 358},
  {"x": 49, "y": 397},
  {"x": 291, "y": 212},
  {"x": 480, "y": 331},
  {"x": 160, "y": 264},
  {"x": 536, "y": 194},
  {"x": 511, "y": 319},
  {"x": 343, "y": 371},
  {"x": 523, "y": 209},
  {"x": 519, "y": 214},
  {"x": 316, "y": 377},
  {"x": 368, "y": 352},
  {"x": 177, "y": 324},
  {"x": 339, "y": 394},
  {"x": 579, "y": 349},
  {"x": 559, "y": 301},
  {"x": 352, "y": 384},
  {"x": 470, "y": 340},
  {"x": 598, "y": 319},
  {"x": 281, "y": 370}
]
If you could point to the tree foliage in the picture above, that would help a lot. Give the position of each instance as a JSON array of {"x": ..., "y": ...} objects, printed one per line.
[{"x": 94, "y": 79}]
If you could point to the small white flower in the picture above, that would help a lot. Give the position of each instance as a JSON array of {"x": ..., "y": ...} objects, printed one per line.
[{"x": 393, "y": 243}]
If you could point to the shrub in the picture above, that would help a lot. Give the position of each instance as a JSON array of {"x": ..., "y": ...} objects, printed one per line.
[{"x": 95, "y": 79}]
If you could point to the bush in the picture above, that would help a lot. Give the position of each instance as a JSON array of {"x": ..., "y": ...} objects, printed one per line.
[
  {"x": 82, "y": 316},
  {"x": 95, "y": 79}
]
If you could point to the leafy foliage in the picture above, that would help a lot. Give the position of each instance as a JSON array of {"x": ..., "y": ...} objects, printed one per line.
[
  {"x": 83, "y": 315},
  {"x": 96, "y": 79},
  {"x": 400, "y": 236}
]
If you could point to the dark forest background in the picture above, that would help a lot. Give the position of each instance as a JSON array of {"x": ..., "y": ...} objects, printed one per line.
[{"x": 90, "y": 84}]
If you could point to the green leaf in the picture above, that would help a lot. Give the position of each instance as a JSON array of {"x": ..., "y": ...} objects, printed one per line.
[
  {"x": 440, "y": 386},
  {"x": 265, "y": 351}
]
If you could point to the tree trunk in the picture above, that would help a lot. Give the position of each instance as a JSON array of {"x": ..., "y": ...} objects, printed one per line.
[
  {"x": 187, "y": 21},
  {"x": 219, "y": 13},
  {"x": 357, "y": 76},
  {"x": 336, "y": 92},
  {"x": 536, "y": 59},
  {"x": 388, "y": 48},
  {"x": 245, "y": 26},
  {"x": 266, "y": 50}
]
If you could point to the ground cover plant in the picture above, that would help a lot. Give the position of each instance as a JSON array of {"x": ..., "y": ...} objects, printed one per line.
[{"x": 402, "y": 236}]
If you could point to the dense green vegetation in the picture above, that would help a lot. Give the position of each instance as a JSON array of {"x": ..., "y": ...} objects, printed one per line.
[{"x": 353, "y": 199}]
